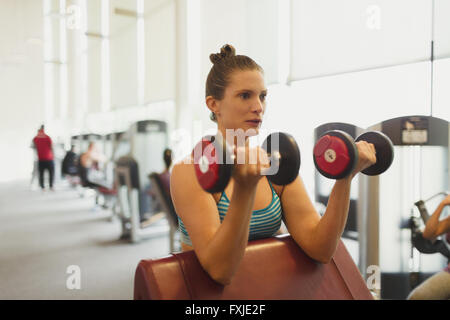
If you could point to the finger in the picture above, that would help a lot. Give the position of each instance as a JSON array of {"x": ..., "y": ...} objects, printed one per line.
[
  {"x": 240, "y": 155},
  {"x": 253, "y": 156},
  {"x": 266, "y": 158},
  {"x": 372, "y": 148},
  {"x": 247, "y": 153},
  {"x": 374, "y": 152}
]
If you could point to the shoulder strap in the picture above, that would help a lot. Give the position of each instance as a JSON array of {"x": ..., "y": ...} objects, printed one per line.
[{"x": 273, "y": 189}]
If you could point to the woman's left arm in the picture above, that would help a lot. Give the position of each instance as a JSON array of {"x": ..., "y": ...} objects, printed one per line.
[{"x": 319, "y": 236}]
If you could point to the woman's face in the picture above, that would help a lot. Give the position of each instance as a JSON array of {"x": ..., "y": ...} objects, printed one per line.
[{"x": 243, "y": 104}]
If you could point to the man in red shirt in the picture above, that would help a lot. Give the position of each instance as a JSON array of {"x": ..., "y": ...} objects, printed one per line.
[{"x": 43, "y": 144}]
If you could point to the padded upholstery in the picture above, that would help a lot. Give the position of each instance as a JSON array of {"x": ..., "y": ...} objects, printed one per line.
[
  {"x": 273, "y": 268},
  {"x": 107, "y": 191},
  {"x": 129, "y": 162}
]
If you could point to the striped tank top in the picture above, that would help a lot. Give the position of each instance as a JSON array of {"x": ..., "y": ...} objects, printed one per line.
[{"x": 264, "y": 223}]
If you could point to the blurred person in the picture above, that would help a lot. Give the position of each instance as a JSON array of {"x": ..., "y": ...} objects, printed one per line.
[
  {"x": 165, "y": 175},
  {"x": 70, "y": 163},
  {"x": 437, "y": 287},
  {"x": 89, "y": 167},
  {"x": 44, "y": 150},
  {"x": 148, "y": 203}
]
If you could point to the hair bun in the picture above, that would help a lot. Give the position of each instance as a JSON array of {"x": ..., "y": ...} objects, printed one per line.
[{"x": 225, "y": 52}]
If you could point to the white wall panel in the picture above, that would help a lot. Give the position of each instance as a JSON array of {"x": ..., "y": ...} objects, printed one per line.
[
  {"x": 129, "y": 5},
  {"x": 77, "y": 54},
  {"x": 76, "y": 87},
  {"x": 441, "y": 29},
  {"x": 364, "y": 98},
  {"x": 21, "y": 84},
  {"x": 441, "y": 92},
  {"x": 221, "y": 23},
  {"x": 159, "y": 30},
  {"x": 55, "y": 36},
  {"x": 251, "y": 26},
  {"x": 94, "y": 13},
  {"x": 123, "y": 44},
  {"x": 262, "y": 36},
  {"x": 53, "y": 6},
  {"x": 332, "y": 37},
  {"x": 94, "y": 72}
]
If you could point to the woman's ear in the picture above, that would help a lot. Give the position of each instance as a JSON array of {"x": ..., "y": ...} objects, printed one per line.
[{"x": 212, "y": 104}]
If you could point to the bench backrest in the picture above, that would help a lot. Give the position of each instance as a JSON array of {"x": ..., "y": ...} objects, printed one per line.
[{"x": 274, "y": 268}]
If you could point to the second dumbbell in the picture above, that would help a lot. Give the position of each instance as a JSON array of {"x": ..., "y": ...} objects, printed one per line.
[{"x": 335, "y": 153}]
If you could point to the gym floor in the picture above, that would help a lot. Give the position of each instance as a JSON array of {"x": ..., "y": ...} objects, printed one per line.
[{"x": 43, "y": 233}]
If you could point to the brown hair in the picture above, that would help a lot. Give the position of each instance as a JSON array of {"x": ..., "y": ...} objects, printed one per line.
[
  {"x": 167, "y": 156},
  {"x": 224, "y": 64}
]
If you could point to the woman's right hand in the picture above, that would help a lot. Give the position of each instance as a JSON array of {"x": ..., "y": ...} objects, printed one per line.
[{"x": 248, "y": 165}]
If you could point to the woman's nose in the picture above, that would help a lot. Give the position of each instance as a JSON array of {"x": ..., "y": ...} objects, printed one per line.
[{"x": 257, "y": 106}]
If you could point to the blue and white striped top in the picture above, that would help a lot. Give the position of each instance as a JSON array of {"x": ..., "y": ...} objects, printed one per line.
[{"x": 264, "y": 223}]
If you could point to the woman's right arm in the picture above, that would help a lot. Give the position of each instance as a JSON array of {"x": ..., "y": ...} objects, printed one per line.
[
  {"x": 218, "y": 246},
  {"x": 434, "y": 227}
]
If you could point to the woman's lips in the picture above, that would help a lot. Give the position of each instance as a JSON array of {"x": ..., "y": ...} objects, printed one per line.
[{"x": 254, "y": 122}]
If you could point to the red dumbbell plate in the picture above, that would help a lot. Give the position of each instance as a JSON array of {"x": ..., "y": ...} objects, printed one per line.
[
  {"x": 335, "y": 154},
  {"x": 211, "y": 167}
]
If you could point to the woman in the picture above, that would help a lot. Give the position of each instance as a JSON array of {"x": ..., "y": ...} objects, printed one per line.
[
  {"x": 218, "y": 226},
  {"x": 437, "y": 287}
]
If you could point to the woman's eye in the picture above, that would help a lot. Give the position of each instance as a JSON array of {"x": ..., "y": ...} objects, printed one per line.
[
  {"x": 245, "y": 95},
  {"x": 263, "y": 97}
]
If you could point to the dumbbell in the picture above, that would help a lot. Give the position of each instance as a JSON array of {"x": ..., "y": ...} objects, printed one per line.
[
  {"x": 214, "y": 160},
  {"x": 335, "y": 153}
]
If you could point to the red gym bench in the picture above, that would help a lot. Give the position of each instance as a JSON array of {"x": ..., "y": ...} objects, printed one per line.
[{"x": 274, "y": 268}]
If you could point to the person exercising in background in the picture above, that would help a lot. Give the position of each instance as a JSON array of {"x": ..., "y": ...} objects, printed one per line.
[
  {"x": 44, "y": 149},
  {"x": 70, "y": 163},
  {"x": 89, "y": 165},
  {"x": 147, "y": 200},
  {"x": 219, "y": 226},
  {"x": 437, "y": 287},
  {"x": 165, "y": 175}
]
